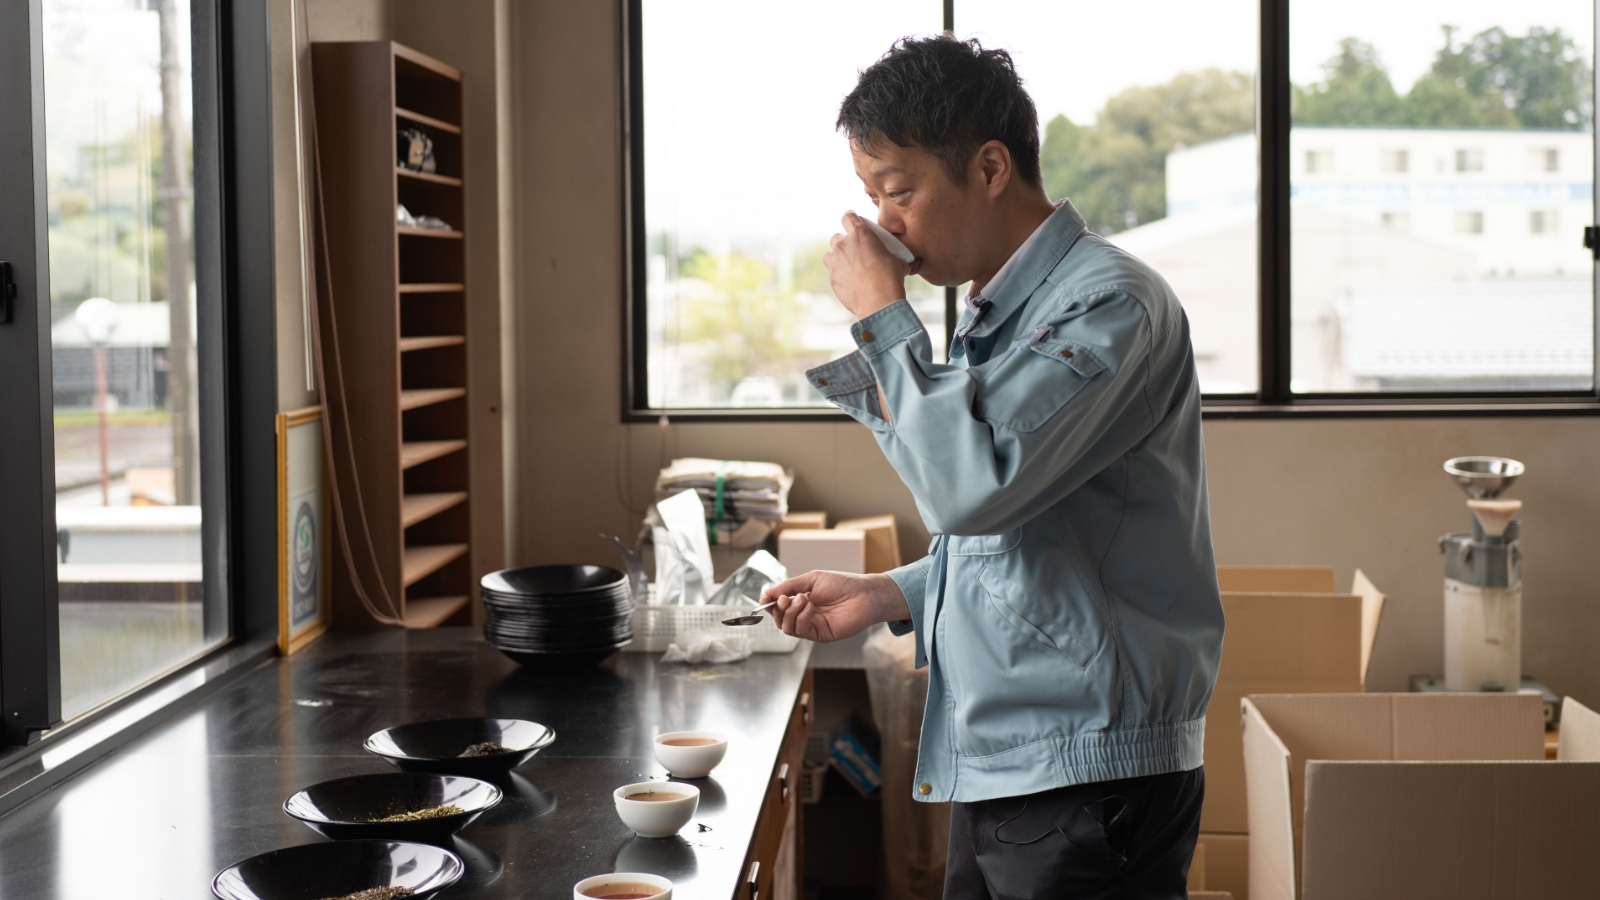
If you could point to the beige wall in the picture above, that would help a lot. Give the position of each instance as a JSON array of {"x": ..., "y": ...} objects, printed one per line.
[{"x": 1350, "y": 493}]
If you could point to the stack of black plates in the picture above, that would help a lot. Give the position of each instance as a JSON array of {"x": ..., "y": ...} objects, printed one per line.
[{"x": 557, "y": 615}]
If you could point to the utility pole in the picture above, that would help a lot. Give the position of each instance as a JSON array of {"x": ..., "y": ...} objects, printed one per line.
[{"x": 175, "y": 220}]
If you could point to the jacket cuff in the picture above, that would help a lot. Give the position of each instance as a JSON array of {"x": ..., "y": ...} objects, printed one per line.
[
  {"x": 913, "y": 583},
  {"x": 885, "y": 328},
  {"x": 843, "y": 377}
]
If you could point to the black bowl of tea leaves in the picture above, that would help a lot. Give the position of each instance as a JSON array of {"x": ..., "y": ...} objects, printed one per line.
[
  {"x": 477, "y": 748},
  {"x": 342, "y": 870},
  {"x": 399, "y": 806}
]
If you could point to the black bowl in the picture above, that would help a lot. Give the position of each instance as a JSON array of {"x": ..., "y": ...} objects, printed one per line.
[
  {"x": 344, "y": 809},
  {"x": 547, "y": 581},
  {"x": 335, "y": 869},
  {"x": 549, "y": 660},
  {"x": 436, "y": 746}
]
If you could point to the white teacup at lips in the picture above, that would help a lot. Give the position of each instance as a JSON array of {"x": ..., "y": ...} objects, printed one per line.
[
  {"x": 623, "y": 886},
  {"x": 656, "y": 809},
  {"x": 690, "y": 754}
]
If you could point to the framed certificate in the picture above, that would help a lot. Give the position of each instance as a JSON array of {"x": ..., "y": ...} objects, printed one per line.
[{"x": 303, "y": 603}]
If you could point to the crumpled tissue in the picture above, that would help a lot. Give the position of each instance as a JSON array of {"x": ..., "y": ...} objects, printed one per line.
[{"x": 709, "y": 647}]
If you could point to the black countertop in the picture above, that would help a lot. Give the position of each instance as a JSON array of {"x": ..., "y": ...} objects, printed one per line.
[{"x": 159, "y": 818}]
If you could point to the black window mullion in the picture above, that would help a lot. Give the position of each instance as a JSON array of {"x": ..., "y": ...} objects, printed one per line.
[
  {"x": 30, "y": 675},
  {"x": 1273, "y": 113}
]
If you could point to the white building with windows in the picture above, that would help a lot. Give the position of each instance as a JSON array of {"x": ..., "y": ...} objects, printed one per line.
[{"x": 1393, "y": 230}]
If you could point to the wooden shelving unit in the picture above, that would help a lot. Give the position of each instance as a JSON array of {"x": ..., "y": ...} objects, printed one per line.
[{"x": 397, "y": 316}]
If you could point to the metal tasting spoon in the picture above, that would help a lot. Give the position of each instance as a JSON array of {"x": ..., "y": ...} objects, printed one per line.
[{"x": 750, "y": 618}]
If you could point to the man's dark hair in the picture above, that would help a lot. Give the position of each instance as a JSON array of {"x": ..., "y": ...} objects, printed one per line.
[{"x": 948, "y": 97}]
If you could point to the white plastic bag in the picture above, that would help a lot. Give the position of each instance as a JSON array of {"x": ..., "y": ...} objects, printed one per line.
[
  {"x": 683, "y": 554},
  {"x": 915, "y": 834}
]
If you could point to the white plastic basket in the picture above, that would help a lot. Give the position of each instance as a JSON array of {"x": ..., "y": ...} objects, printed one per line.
[{"x": 654, "y": 627}]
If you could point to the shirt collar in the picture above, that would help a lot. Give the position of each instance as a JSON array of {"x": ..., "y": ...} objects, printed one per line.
[{"x": 1028, "y": 267}]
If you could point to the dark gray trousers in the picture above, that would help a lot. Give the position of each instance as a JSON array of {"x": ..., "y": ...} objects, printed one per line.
[{"x": 1131, "y": 838}]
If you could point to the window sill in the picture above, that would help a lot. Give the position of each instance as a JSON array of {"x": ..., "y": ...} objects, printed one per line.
[
  {"x": 1212, "y": 408},
  {"x": 26, "y": 772},
  {"x": 1398, "y": 408}
]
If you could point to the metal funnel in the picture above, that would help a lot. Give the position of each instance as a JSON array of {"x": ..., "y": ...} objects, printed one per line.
[{"x": 1483, "y": 477}]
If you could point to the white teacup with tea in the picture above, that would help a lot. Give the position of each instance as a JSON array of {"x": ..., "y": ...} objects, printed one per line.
[
  {"x": 690, "y": 754},
  {"x": 656, "y": 809}
]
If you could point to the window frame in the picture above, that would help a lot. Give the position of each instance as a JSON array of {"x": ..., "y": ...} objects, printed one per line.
[
  {"x": 236, "y": 351},
  {"x": 1273, "y": 397}
]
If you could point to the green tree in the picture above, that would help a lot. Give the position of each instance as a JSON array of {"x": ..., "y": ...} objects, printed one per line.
[
  {"x": 1356, "y": 91},
  {"x": 1539, "y": 80},
  {"x": 1494, "y": 80},
  {"x": 1115, "y": 169},
  {"x": 745, "y": 324},
  {"x": 1439, "y": 102}
]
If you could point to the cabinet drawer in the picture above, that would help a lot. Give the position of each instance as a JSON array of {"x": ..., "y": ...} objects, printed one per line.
[{"x": 780, "y": 805}]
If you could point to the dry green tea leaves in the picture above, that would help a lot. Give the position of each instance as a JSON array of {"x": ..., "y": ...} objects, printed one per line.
[
  {"x": 377, "y": 893},
  {"x": 487, "y": 748},
  {"x": 419, "y": 815}
]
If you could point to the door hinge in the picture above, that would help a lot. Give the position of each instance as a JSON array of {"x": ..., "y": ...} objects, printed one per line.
[
  {"x": 8, "y": 293},
  {"x": 1591, "y": 239}
]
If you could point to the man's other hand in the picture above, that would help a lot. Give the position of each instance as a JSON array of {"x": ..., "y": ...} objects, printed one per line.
[
  {"x": 865, "y": 276},
  {"x": 831, "y": 606}
]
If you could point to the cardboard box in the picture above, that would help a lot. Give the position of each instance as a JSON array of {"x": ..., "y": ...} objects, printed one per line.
[
  {"x": 804, "y": 520},
  {"x": 883, "y": 540},
  {"x": 804, "y": 549},
  {"x": 1287, "y": 640},
  {"x": 1420, "y": 796},
  {"x": 1275, "y": 579},
  {"x": 1197, "y": 869},
  {"x": 1227, "y": 863}
]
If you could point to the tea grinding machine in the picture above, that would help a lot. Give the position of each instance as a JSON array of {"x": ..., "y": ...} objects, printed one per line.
[{"x": 1483, "y": 581}]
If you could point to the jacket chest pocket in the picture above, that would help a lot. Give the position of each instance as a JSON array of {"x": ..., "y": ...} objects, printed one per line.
[
  {"x": 1030, "y": 384},
  {"x": 1049, "y": 617}
]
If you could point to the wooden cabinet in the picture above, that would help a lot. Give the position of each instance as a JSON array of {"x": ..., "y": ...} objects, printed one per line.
[
  {"x": 393, "y": 328},
  {"x": 774, "y": 868}
]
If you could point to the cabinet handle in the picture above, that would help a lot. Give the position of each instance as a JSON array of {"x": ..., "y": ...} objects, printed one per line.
[
  {"x": 805, "y": 707},
  {"x": 755, "y": 890},
  {"x": 783, "y": 783}
]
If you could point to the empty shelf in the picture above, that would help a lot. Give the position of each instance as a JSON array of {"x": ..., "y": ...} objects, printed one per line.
[
  {"x": 431, "y": 288},
  {"x": 428, "y": 232},
  {"x": 428, "y": 342},
  {"x": 426, "y": 396},
  {"x": 404, "y": 172},
  {"x": 414, "y": 453},
  {"x": 429, "y": 121},
  {"x": 420, "y": 562},
  {"x": 430, "y": 612},
  {"x": 416, "y": 507}
]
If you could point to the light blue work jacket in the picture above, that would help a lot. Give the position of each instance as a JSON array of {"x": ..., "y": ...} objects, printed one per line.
[{"x": 1068, "y": 605}]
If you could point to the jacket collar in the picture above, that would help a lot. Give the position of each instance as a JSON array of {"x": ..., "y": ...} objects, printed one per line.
[{"x": 1040, "y": 256}]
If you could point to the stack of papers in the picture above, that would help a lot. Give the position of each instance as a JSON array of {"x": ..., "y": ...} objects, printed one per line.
[{"x": 750, "y": 490}]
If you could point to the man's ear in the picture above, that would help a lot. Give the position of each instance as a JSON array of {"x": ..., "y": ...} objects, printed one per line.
[{"x": 993, "y": 162}]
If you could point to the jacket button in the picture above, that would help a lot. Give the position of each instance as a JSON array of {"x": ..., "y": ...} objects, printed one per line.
[
  {"x": 866, "y": 336},
  {"x": 924, "y": 788},
  {"x": 1066, "y": 354},
  {"x": 822, "y": 382}
]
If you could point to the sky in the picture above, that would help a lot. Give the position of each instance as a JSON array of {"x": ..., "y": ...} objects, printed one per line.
[
  {"x": 740, "y": 97},
  {"x": 101, "y": 69}
]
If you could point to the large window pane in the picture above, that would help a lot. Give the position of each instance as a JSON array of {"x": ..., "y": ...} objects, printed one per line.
[
  {"x": 118, "y": 114},
  {"x": 1148, "y": 111},
  {"x": 1442, "y": 173},
  {"x": 745, "y": 180}
]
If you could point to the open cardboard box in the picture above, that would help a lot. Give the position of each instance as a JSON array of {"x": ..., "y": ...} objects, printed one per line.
[
  {"x": 1420, "y": 796},
  {"x": 1287, "y": 633}
]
